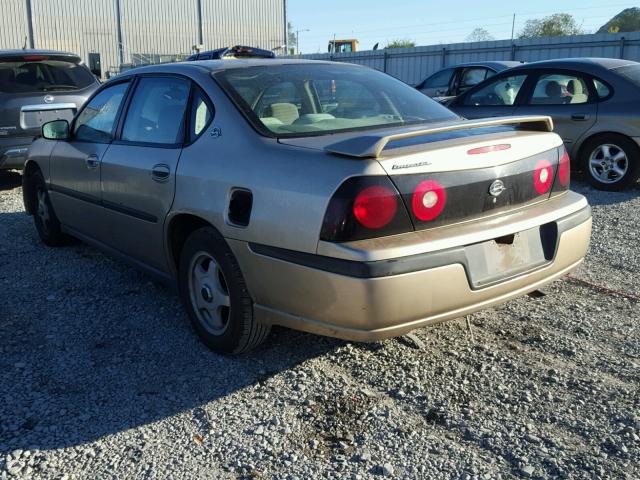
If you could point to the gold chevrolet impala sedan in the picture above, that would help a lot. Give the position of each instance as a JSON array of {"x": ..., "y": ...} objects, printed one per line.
[{"x": 321, "y": 196}]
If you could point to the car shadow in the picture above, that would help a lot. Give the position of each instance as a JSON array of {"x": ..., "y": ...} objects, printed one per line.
[
  {"x": 601, "y": 197},
  {"x": 90, "y": 347},
  {"x": 10, "y": 179}
]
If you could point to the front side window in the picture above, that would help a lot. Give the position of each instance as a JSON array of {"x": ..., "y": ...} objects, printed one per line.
[
  {"x": 97, "y": 120},
  {"x": 316, "y": 99},
  {"x": 502, "y": 91},
  {"x": 560, "y": 89},
  {"x": 439, "y": 80},
  {"x": 156, "y": 113}
]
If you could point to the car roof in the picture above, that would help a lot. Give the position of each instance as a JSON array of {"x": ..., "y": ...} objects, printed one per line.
[
  {"x": 221, "y": 65},
  {"x": 495, "y": 64},
  {"x": 579, "y": 63}
]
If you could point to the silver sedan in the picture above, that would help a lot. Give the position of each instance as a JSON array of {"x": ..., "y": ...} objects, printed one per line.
[{"x": 594, "y": 103}]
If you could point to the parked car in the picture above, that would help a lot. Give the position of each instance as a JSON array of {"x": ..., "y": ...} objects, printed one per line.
[
  {"x": 37, "y": 86},
  {"x": 321, "y": 196},
  {"x": 239, "y": 51},
  {"x": 594, "y": 103},
  {"x": 452, "y": 81}
]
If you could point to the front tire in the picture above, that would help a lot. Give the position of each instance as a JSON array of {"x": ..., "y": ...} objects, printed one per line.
[
  {"x": 215, "y": 295},
  {"x": 611, "y": 162},
  {"x": 44, "y": 217}
]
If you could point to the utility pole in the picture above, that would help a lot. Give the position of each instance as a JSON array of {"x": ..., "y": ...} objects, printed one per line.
[
  {"x": 119, "y": 33},
  {"x": 298, "y": 39},
  {"x": 513, "y": 27},
  {"x": 286, "y": 28},
  {"x": 200, "y": 34},
  {"x": 32, "y": 43}
]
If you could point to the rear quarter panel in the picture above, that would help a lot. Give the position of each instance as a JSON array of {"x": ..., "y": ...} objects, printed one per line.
[{"x": 291, "y": 186}]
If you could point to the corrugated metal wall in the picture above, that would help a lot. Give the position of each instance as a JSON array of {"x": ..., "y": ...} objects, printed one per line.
[
  {"x": 152, "y": 30},
  {"x": 413, "y": 65},
  {"x": 13, "y": 24}
]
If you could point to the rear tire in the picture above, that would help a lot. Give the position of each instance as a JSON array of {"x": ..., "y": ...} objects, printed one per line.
[
  {"x": 44, "y": 217},
  {"x": 215, "y": 295},
  {"x": 611, "y": 162}
]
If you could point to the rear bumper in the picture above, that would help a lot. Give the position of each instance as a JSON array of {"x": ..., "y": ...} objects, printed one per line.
[
  {"x": 13, "y": 152},
  {"x": 368, "y": 301}
]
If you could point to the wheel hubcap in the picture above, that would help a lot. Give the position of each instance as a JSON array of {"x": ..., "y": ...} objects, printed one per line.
[
  {"x": 209, "y": 293},
  {"x": 43, "y": 208},
  {"x": 608, "y": 163}
]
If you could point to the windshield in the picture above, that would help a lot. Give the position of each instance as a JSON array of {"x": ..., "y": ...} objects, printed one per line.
[
  {"x": 308, "y": 99},
  {"x": 20, "y": 76}
]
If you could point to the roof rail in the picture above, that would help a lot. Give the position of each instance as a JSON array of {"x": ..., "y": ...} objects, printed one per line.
[{"x": 372, "y": 145}]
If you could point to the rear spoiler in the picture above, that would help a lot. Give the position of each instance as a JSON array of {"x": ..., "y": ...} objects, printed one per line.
[
  {"x": 29, "y": 56},
  {"x": 371, "y": 146}
]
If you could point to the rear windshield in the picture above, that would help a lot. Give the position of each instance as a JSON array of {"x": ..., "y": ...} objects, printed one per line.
[
  {"x": 630, "y": 72},
  {"x": 20, "y": 76},
  {"x": 303, "y": 100}
]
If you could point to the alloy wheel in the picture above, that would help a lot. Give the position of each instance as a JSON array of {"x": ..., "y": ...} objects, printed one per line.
[
  {"x": 209, "y": 293},
  {"x": 608, "y": 163}
]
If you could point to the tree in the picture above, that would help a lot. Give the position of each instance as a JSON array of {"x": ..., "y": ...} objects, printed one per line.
[
  {"x": 479, "y": 35},
  {"x": 401, "y": 43},
  {"x": 556, "y": 25},
  {"x": 628, "y": 20}
]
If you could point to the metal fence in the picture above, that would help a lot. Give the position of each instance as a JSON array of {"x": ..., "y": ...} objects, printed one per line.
[{"x": 412, "y": 65}]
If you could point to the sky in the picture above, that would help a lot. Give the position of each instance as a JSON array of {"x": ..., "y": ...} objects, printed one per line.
[{"x": 429, "y": 22}]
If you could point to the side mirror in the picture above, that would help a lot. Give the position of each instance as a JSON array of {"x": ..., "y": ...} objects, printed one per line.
[{"x": 56, "y": 130}]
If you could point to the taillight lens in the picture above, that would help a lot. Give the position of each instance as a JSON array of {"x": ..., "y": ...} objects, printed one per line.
[
  {"x": 365, "y": 207},
  {"x": 429, "y": 199},
  {"x": 542, "y": 176},
  {"x": 564, "y": 170},
  {"x": 375, "y": 206}
]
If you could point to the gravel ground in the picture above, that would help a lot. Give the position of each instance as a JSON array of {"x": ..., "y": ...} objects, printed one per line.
[{"x": 101, "y": 376}]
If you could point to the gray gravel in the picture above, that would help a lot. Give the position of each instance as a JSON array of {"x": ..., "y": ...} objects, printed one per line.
[{"x": 102, "y": 377}]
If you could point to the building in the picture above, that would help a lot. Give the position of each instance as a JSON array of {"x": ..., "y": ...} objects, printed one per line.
[{"x": 108, "y": 34}]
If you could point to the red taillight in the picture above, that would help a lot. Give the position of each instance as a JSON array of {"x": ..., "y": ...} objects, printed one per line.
[
  {"x": 489, "y": 149},
  {"x": 564, "y": 170},
  {"x": 542, "y": 177},
  {"x": 375, "y": 206},
  {"x": 429, "y": 199},
  {"x": 34, "y": 58}
]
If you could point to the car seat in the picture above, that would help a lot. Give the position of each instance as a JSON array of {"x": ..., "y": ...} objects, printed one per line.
[
  {"x": 287, "y": 113},
  {"x": 576, "y": 89}
]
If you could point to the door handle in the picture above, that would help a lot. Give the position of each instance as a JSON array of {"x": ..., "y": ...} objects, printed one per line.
[
  {"x": 92, "y": 162},
  {"x": 579, "y": 116},
  {"x": 160, "y": 173}
]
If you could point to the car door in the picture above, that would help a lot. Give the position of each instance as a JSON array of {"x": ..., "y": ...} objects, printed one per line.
[
  {"x": 437, "y": 85},
  {"x": 568, "y": 97},
  {"x": 75, "y": 163},
  {"x": 496, "y": 97},
  {"x": 138, "y": 170}
]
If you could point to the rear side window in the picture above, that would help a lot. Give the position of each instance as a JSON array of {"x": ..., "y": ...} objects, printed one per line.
[
  {"x": 601, "y": 88},
  {"x": 473, "y": 76},
  {"x": 156, "y": 113},
  {"x": 560, "y": 89},
  {"x": 97, "y": 120},
  {"x": 21, "y": 76},
  {"x": 201, "y": 115}
]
